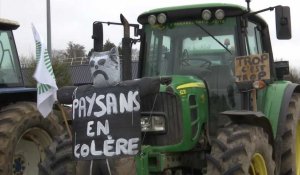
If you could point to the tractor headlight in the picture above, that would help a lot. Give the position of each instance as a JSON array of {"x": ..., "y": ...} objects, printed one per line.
[
  {"x": 152, "y": 19},
  {"x": 161, "y": 18},
  {"x": 153, "y": 123},
  {"x": 206, "y": 14},
  {"x": 219, "y": 14}
]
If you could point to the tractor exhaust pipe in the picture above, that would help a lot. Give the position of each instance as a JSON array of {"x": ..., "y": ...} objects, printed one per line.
[{"x": 126, "y": 50}]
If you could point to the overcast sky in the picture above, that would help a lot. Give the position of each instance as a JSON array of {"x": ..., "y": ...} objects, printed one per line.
[{"x": 72, "y": 21}]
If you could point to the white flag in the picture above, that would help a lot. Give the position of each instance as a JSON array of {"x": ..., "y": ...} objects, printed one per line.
[{"x": 46, "y": 84}]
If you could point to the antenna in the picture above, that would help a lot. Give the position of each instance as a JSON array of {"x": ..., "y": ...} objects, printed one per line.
[{"x": 248, "y": 5}]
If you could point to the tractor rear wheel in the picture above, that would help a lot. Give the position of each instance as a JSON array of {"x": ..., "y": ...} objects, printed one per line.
[
  {"x": 241, "y": 150},
  {"x": 59, "y": 160},
  {"x": 24, "y": 135},
  {"x": 290, "y": 147}
]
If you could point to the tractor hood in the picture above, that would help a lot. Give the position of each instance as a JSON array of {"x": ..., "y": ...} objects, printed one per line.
[{"x": 181, "y": 83}]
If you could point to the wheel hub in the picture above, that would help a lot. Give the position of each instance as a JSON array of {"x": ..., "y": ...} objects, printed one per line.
[
  {"x": 298, "y": 148},
  {"x": 258, "y": 165},
  {"x": 19, "y": 165},
  {"x": 29, "y": 151}
]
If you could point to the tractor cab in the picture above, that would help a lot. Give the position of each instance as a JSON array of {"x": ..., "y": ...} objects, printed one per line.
[
  {"x": 10, "y": 72},
  {"x": 11, "y": 81},
  {"x": 204, "y": 41}
]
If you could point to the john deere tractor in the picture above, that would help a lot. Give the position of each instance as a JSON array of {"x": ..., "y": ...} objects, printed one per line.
[
  {"x": 226, "y": 108},
  {"x": 24, "y": 133}
]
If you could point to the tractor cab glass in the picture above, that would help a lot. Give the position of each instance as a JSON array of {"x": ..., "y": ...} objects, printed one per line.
[
  {"x": 9, "y": 70},
  {"x": 199, "y": 48},
  {"x": 184, "y": 48},
  {"x": 253, "y": 41}
]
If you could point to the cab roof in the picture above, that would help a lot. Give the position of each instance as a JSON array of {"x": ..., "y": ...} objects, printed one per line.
[
  {"x": 6, "y": 24},
  {"x": 192, "y": 11}
]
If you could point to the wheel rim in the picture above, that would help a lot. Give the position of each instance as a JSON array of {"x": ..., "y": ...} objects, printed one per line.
[
  {"x": 258, "y": 165},
  {"x": 298, "y": 148},
  {"x": 29, "y": 151}
]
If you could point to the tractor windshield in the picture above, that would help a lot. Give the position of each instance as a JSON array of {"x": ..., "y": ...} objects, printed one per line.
[
  {"x": 9, "y": 70},
  {"x": 199, "y": 48},
  {"x": 191, "y": 47}
]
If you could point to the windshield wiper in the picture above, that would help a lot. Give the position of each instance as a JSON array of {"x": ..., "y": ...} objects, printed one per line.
[{"x": 202, "y": 28}]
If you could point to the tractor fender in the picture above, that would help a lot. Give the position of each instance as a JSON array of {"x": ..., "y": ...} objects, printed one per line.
[
  {"x": 274, "y": 103},
  {"x": 251, "y": 118},
  {"x": 16, "y": 94},
  {"x": 290, "y": 89}
]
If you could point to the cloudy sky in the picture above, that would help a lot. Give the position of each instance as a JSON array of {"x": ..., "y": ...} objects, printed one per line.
[{"x": 72, "y": 21}]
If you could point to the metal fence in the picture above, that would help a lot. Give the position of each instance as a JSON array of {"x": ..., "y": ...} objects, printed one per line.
[{"x": 75, "y": 61}]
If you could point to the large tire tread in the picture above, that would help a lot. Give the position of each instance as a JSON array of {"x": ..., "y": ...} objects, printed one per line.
[
  {"x": 15, "y": 120},
  {"x": 288, "y": 146},
  {"x": 234, "y": 147},
  {"x": 59, "y": 159}
]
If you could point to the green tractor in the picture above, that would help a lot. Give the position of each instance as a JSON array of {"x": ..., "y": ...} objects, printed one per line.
[{"x": 227, "y": 109}]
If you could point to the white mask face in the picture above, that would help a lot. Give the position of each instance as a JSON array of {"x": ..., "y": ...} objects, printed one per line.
[{"x": 105, "y": 68}]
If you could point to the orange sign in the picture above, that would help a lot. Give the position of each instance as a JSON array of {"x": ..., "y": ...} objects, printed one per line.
[{"x": 252, "y": 68}]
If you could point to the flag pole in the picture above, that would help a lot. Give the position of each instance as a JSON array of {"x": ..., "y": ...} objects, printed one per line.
[{"x": 49, "y": 29}]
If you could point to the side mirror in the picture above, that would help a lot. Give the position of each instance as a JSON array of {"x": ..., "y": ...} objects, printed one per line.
[
  {"x": 98, "y": 36},
  {"x": 283, "y": 22}
]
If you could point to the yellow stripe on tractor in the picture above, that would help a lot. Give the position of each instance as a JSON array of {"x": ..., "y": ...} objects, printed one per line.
[{"x": 191, "y": 85}]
